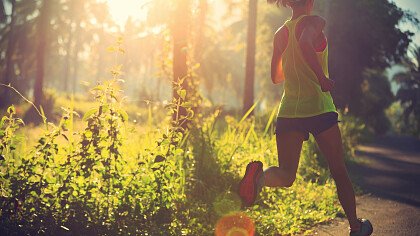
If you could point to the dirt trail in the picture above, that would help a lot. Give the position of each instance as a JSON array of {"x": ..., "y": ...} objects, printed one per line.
[{"x": 391, "y": 179}]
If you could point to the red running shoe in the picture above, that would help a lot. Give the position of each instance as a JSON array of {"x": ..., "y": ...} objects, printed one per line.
[{"x": 248, "y": 189}]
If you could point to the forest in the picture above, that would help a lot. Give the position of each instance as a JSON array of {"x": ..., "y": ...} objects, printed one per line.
[{"x": 142, "y": 124}]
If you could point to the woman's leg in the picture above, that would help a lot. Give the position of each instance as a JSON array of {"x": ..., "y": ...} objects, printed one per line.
[
  {"x": 330, "y": 144},
  {"x": 289, "y": 146}
]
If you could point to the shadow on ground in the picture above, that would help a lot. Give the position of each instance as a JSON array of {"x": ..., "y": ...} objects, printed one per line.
[
  {"x": 390, "y": 177},
  {"x": 392, "y": 170}
]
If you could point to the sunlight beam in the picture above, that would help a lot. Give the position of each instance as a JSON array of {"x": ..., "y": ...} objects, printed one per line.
[{"x": 121, "y": 10}]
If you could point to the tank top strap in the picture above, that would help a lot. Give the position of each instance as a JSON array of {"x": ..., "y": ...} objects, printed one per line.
[{"x": 291, "y": 24}]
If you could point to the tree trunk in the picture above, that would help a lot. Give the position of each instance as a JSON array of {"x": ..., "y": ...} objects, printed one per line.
[
  {"x": 250, "y": 57},
  {"x": 180, "y": 33},
  {"x": 201, "y": 25},
  {"x": 345, "y": 68},
  {"x": 9, "y": 70},
  {"x": 3, "y": 16},
  {"x": 43, "y": 26}
]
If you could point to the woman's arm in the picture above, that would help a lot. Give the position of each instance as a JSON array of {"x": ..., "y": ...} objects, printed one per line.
[
  {"x": 313, "y": 27},
  {"x": 279, "y": 46}
]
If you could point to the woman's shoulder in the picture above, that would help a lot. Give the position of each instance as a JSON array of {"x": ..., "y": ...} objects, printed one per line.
[
  {"x": 282, "y": 32},
  {"x": 315, "y": 20},
  {"x": 314, "y": 17}
]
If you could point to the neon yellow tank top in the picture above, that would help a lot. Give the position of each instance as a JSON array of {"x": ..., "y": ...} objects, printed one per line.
[{"x": 302, "y": 95}]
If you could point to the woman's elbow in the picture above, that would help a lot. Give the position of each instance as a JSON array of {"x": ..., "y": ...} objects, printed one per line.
[
  {"x": 276, "y": 80},
  {"x": 276, "y": 74}
]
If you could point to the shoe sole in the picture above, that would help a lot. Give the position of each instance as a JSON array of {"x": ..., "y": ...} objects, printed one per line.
[
  {"x": 371, "y": 229},
  {"x": 250, "y": 178},
  {"x": 370, "y": 232}
]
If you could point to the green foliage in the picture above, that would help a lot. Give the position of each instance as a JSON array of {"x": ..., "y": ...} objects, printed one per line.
[
  {"x": 86, "y": 186},
  {"x": 9, "y": 124},
  {"x": 353, "y": 131},
  {"x": 118, "y": 178},
  {"x": 401, "y": 124},
  {"x": 284, "y": 211},
  {"x": 376, "y": 98},
  {"x": 409, "y": 92},
  {"x": 45, "y": 111},
  {"x": 302, "y": 206},
  {"x": 364, "y": 23},
  {"x": 313, "y": 167}
]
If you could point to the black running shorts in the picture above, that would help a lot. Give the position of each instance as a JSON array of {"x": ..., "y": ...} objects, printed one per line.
[{"x": 314, "y": 124}]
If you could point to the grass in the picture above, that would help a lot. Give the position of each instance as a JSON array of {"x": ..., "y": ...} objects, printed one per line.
[{"x": 108, "y": 175}]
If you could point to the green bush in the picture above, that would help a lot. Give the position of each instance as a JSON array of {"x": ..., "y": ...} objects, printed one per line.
[
  {"x": 399, "y": 123},
  {"x": 49, "y": 98},
  {"x": 353, "y": 131},
  {"x": 114, "y": 177},
  {"x": 85, "y": 185}
]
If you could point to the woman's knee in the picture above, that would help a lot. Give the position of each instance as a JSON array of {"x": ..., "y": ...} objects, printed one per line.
[
  {"x": 289, "y": 182},
  {"x": 284, "y": 181},
  {"x": 279, "y": 177},
  {"x": 289, "y": 178}
]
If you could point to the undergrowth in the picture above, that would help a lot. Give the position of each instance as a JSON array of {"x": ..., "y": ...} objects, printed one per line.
[{"x": 114, "y": 177}]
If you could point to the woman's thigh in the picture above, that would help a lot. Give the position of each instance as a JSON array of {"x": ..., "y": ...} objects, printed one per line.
[
  {"x": 330, "y": 144},
  {"x": 289, "y": 146}
]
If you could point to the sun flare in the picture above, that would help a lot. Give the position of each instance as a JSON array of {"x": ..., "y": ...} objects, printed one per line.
[{"x": 121, "y": 10}]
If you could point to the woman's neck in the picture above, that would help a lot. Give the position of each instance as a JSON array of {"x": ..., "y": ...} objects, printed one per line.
[{"x": 299, "y": 12}]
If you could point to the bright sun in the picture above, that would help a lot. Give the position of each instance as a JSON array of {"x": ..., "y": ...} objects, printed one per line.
[{"x": 122, "y": 9}]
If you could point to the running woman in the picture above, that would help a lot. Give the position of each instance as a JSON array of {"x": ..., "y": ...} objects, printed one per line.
[{"x": 300, "y": 60}]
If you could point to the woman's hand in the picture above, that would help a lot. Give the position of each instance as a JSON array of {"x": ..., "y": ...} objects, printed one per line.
[{"x": 326, "y": 84}]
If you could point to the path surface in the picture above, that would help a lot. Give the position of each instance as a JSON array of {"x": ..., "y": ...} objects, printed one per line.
[{"x": 391, "y": 177}]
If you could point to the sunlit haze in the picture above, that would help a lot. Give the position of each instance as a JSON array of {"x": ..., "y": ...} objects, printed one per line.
[
  {"x": 159, "y": 117},
  {"x": 121, "y": 10}
]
